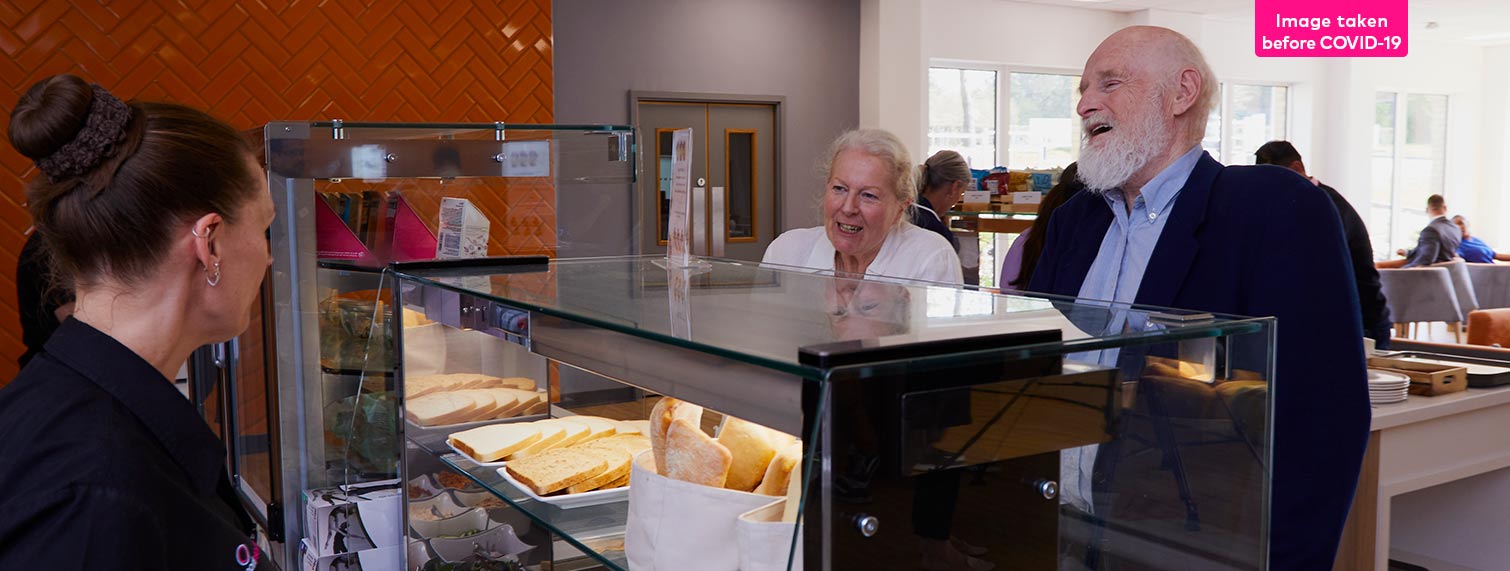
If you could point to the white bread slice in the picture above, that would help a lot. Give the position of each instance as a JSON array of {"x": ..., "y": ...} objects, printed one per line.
[
  {"x": 575, "y": 431},
  {"x": 633, "y": 427},
  {"x": 525, "y": 400},
  {"x": 556, "y": 469},
  {"x": 439, "y": 408},
  {"x": 618, "y": 467},
  {"x": 693, "y": 456},
  {"x": 541, "y": 406},
  {"x": 597, "y": 426},
  {"x": 487, "y": 406},
  {"x": 506, "y": 400},
  {"x": 753, "y": 446},
  {"x": 779, "y": 473},
  {"x": 631, "y": 443},
  {"x": 551, "y": 434},
  {"x": 665, "y": 411},
  {"x": 494, "y": 441}
]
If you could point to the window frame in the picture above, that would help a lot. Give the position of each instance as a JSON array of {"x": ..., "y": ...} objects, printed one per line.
[
  {"x": 1396, "y": 159},
  {"x": 1226, "y": 148}
]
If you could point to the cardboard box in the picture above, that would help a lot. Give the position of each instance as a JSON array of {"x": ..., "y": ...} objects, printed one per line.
[{"x": 344, "y": 520}]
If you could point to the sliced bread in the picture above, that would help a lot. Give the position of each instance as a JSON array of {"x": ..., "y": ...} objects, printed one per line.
[
  {"x": 556, "y": 469},
  {"x": 618, "y": 467},
  {"x": 752, "y": 446},
  {"x": 489, "y": 443},
  {"x": 779, "y": 473},
  {"x": 598, "y": 427},
  {"x": 551, "y": 434}
]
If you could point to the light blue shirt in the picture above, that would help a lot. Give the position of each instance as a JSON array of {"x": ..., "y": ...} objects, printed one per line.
[
  {"x": 1115, "y": 276},
  {"x": 1129, "y": 241}
]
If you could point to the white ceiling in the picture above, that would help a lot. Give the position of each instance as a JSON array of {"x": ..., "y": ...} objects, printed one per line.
[{"x": 1479, "y": 22}]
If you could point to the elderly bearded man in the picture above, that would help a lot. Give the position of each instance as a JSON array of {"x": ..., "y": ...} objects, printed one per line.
[{"x": 1167, "y": 225}]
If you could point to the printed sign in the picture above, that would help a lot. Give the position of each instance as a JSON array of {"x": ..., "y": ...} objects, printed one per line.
[
  {"x": 679, "y": 230},
  {"x": 527, "y": 158},
  {"x": 1330, "y": 28}
]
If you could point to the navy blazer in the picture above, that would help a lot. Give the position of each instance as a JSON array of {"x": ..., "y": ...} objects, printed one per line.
[{"x": 1259, "y": 241}]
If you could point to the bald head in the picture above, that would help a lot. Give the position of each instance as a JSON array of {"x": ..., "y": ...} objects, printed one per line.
[{"x": 1144, "y": 98}]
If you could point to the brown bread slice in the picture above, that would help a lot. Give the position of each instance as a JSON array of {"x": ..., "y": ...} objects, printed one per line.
[
  {"x": 618, "y": 467},
  {"x": 753, "y": 446},
  {"x": 779, "y": 473},
  {"x": 556, "y": 469}
]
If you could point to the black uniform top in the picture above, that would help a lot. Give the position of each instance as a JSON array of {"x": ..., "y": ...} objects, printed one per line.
[
  {"x": 107, "y": 466},
  {"x": 933, "y": 220},
  {"x": 1370, "y": 293}
]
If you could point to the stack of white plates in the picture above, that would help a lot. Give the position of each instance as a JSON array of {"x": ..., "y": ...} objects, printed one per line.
[{"x": 1386, "y": 387}]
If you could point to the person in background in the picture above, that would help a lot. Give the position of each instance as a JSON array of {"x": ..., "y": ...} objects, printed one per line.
[
  {"x": 869, "y": 185},
  {"x": 1376, "y": 323},
  {"x": 1437, "y": 243},
  {"x": 1474, "y": 250},
  {"x": 41, "y": 303},
  {"x": 942, "y": 182},
  {"x": 1017, "y": 265},
  {"x": 157, "y": 215},
  {"x": 1163, "y": 224}
]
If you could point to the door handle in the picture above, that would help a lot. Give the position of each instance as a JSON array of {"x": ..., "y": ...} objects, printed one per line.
[
  {"x": 720, "y": 214},
  {"x": 699, "y": 220}
]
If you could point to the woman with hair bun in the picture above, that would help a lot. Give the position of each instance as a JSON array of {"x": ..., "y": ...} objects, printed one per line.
[
  {"x": 942, "y": 182},
  {"x": 155, "y": 215}
]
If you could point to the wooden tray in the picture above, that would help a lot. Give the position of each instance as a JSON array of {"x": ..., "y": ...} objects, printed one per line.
[{"x": 1427, "y": 379}]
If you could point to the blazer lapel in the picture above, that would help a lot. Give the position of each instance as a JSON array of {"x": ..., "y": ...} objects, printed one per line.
[{"x": 1177, "y": 245}]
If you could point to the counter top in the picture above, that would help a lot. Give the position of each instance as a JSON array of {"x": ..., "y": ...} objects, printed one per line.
[{"x": 1418, "y": 408}]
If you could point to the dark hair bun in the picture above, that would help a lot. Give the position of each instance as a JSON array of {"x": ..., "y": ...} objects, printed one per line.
[{"x": 50, "y": 115}]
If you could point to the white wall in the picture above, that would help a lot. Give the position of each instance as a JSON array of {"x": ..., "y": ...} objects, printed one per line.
[
  {"x": 894, "y": 71},
  {"x": 1331, "y": 99}
]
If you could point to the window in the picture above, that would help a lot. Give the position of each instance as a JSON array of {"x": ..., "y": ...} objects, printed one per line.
[
  {"x": 1409, "y": 164},
  {"x": 962, "y": 114},
  {"x": 1043, "y": 131},
  {"x": 1244, "y": 118}
]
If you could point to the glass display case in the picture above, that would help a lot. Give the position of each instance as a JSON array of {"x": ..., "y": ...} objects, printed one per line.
[
  {"x": 304, "y": 400},
  {"x": 895, "y": 423}
]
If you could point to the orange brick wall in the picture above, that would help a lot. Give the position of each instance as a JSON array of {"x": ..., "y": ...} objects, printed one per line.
[{"x": 251, "y": 62}]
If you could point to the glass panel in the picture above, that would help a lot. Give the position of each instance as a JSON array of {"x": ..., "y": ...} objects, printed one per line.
[
  {"x": 663, "y": 156},
  {"x": 962, "y": 114},
  {"x": 741, "y": 183},
  {"x": 1258, "y": 116},
  {"x": 1383, "y": 179},
  {"x": 1044, "y": 131},
  {"x": 1212, "y": 143},
  {"x": 779, "y": 311}
]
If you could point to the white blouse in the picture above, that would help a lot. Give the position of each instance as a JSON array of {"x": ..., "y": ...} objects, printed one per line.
[{"x": 909, "y": 253}]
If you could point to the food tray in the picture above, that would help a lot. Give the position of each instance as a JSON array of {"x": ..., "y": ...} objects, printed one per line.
[
  {"x": 569, "y": 501},
  {"x": 1482, "y": 372}
]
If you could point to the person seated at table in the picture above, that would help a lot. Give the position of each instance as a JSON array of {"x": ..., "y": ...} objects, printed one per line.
[
  {"x": 869, "y": 186},
  {"x": 1022, "y": 256},
  {"x": 1438, "y": 241},
  {"x": 1473, "y": 249},
  {"x": 942, "y": 182}
]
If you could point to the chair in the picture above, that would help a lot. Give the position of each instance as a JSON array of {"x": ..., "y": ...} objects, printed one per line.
[
  {"x": 1491, "y": 284},
  {"x": 1416, "y": 295},
  {"x": 1489, "y": 327},
  {"x": 1462, "y": 286}
]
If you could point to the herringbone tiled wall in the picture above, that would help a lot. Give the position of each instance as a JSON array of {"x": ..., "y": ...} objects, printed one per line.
[{"x": 251, "y": 62}]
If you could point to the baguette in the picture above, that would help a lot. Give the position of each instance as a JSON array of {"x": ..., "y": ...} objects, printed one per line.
[
  {"x": 556, "y": 469},
  {"x": 692, "y": 456},
  {"x": 667, "y": 410}
]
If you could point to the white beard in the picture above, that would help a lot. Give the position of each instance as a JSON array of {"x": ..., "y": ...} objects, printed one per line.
[{"x": 1125, "y": 151}]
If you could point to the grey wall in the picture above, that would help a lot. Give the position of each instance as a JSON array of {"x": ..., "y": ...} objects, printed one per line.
[{"x": 807, "y": 51}]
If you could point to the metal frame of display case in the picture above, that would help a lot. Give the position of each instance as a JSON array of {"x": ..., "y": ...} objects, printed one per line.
[
  {"x": 297, "y": 155},
  {"x": 791, "y": 392}
]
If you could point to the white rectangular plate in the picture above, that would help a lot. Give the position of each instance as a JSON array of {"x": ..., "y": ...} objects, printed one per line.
[{"x": 570, "y": 501}]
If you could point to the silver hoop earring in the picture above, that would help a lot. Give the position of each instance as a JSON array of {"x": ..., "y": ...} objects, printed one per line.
[
  {"x": 198, "y": 235},
  {"x": 213, "y": 280}
]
